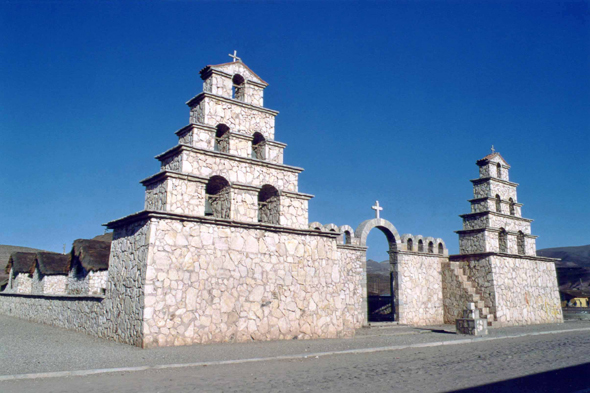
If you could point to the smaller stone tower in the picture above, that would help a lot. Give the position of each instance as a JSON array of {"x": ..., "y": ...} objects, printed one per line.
[
  {"x": 495, "y": 223},
  {"x": 497, "y": 268}
]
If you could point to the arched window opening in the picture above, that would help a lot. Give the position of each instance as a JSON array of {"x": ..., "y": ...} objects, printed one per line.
[
  {"x": 441, "y": 248},
  {"x": 511, "y": 206},
  {"x": 218, "y": 198},
  {"x": 410, "y": 245},
  {"x": 499, "y": 171},
  {"x": 238, "y": 87},
  {"x": 347, "y": 238},
  {"x": 520, "y": 243},
  {"x": 268, "y": 205},
  {"x": 503, "y": 241},
  {"x": 259, "y": 147},
  {"x": 431, "y": 247},
  {"x": 222, "y": 139},
  {"x": 498, "y": 204},
  {"x": 420, "y": 246}
]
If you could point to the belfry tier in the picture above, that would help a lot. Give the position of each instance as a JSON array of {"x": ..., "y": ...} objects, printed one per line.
[
  {"x": 495, "y": 223},
  {"x": 227, "y": 164}
]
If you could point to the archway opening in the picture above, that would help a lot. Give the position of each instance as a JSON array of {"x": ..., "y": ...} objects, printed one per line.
[{"x": 381, "y": 247}]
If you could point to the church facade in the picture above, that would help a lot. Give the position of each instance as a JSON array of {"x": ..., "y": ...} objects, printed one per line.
[{"x": 223, "y": 250}]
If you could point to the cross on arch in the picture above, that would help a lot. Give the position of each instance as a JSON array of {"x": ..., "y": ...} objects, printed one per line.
[
  {"x": 235, "y": 56},
  {"x": 377, "y": 209}
]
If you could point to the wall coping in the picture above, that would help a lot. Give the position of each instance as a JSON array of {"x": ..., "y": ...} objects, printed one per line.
[
  {"x": 428, "y": 254},
  {"x": 485, "y": 179},
  {"x": 199, "y": 97},
  {"x": 162, "y": 175},
  {"x": 489, "y": 212},
  {"x": 146, "y": 215},
  {"x": 495, "y": 230},
  {"x": 55, "y": 296},
  {"x": 351, "y": 247},
  {"x": 488, "y": 198},
  {"x": 182, "y": 147},
  {"x": 460, "y": 257}
]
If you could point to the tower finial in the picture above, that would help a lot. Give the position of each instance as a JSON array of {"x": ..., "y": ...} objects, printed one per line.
[
  {"x": 235, "y": 56},
  {"x": 493, "y": 150}
]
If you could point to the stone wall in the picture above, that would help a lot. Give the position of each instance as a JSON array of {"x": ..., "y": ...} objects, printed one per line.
[
  {"x": 77, "y": 285},
  {"x": 274, "y": 153},
  {"x": 53, "y": 285},
  {"x": 244, "y": 205},
  {"x": 97, "y": 282},
  {"x": 186, "y": 197},
  {"x": 253, "y": 172},
  {"x": 418, "y": 286},
  {"x": 208, "y": 283},
  {"x": 294, "y": 212},
  {"x": 117, "y": 315},
  {"x": 526, "y": 291},
  {"x": 24, "y": 283},
  {"x": 456, "y": 297},
  {"x": 472, "y": 242},
  {"x": 239, "y": 117},
  {"x": 156, "y": 196},
  {"x": 493, "y": 187}
]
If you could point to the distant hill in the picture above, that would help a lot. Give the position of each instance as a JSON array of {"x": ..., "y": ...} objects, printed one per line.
[
  {"x": 570, "y": 256},
  {"x": 573, "y": 271},
  {"x": 374, "y": 267}
]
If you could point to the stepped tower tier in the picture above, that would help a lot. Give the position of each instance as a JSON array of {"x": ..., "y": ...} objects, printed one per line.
[{"x": 227, "y": 164}]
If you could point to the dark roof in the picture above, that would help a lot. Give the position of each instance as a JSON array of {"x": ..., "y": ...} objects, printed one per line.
[
  {"x": 52, "y": 263},
  {"x": 22, "y": 262},
  {"x": 93, "y": 255},
  {"x": 487, "y": 158}
]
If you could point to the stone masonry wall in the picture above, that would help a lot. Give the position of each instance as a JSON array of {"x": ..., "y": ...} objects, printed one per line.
[
  {"x": 294, "y": 212},
  {"x": 53, "y": 285},
  {"x": 479, "y": 273},
  {"x": 274, "y": 154},
  {"x": 244, "y": 205},
  {"x": 156, "y": 196},
  {"x": 97, "y": 282},
  {"x": 254, "y": 173},
  {"x": 24, "y": 283},
  {"x": 526, "y": 291},
  {"x": 418, "y": 286},
  {"x": 117, "y": 315},
  {"x": 208, "y": 283},
  {"x": 472, "y": 242},
  {"x": 239, "y": 118},
  {"x": 491, "y": 188}
]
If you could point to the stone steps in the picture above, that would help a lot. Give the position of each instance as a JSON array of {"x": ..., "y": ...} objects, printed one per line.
[{"x": 470, "y": 288}]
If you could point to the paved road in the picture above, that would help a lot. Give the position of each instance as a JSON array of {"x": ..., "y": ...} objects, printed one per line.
[{"x": 545, "y": 363}]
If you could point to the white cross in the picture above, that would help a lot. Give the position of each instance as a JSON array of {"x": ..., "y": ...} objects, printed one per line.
[
  {"x": 377, "y": 209},
  {"x": 235, "y": 56}
]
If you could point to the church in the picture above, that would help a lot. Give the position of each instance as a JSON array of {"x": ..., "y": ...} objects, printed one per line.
[{"x": 223, "y": 250}]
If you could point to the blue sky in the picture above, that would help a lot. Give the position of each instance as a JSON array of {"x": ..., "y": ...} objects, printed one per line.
[{"x": 392, "y": 101}]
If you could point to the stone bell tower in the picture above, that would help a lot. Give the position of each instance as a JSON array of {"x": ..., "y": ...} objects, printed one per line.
[
  {"x": 495, "y": 223},
  {"x": 227, "y": 164},
  {"x": 497, "y": 268}
]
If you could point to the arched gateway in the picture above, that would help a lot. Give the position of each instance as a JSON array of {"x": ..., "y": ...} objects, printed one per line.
[{"x": 377, "y": 307}]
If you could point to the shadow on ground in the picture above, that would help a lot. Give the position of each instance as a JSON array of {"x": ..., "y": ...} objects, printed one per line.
[{"x": 568, "y": 379}]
